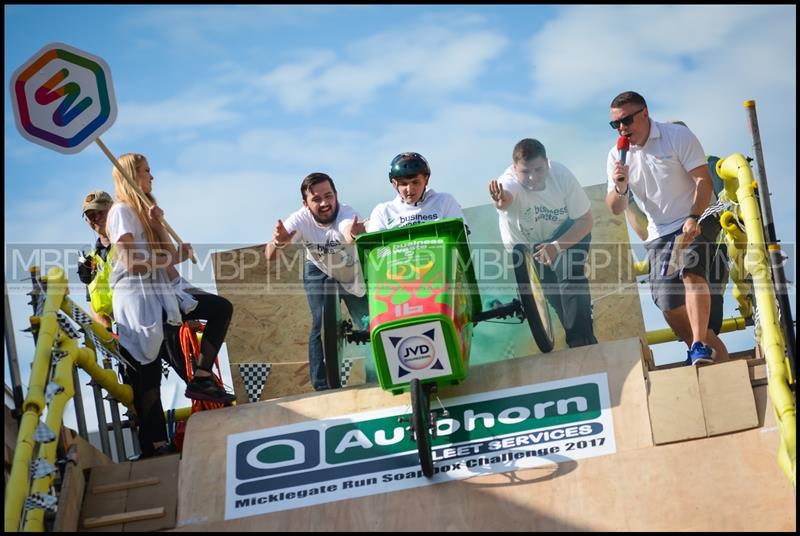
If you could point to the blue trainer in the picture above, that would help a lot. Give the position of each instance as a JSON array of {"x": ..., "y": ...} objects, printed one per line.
[{"x": 700, "y": 353}]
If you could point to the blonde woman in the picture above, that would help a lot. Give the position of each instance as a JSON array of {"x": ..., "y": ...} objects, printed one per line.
[{"x": 148, "y": 292}]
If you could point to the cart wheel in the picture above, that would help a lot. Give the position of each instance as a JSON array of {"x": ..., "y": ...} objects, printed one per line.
[
  {"x": 332, "y": 343},
  {"x": 534, "y": 303},
  {"x": 420, "y": 425}
]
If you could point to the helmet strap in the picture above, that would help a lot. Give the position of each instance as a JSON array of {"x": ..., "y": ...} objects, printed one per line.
[
  {"x": 422, "y": 197},
  {"x": 417, "y": 203}
]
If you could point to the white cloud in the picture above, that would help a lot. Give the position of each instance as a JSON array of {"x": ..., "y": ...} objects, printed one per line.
[
  {"x": 199, "y": 27},
  {"x": 185, "y": 112},
  {"x": 596, "y": 52},
  {"x": 425, "y": 60},
  {"x": 458, "y": 63},
  {"x": 291, "y": 82}
]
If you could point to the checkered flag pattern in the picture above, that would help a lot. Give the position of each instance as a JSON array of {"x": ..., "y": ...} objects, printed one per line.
[
  {"x": 41, "y": 500},
  {"x": 165, "y": 369},
  {"x": 43, "y": 433},
  {"x": 58, "y": 355},
  {"x": 717, "y": 208},
  {"x": 52, "y": 390},
  {"x": 344, "y": 373},
  {"x": 99, "y": 346},
  {"x": 80, "y": 317},
  {"x": 41, "y": 468},
  {"x": 254, "y": 376},
  {"x": 66, "y": 325},
  {"x": 508, "y": 352}
]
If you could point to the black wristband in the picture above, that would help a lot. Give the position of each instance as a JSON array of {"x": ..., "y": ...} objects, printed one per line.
[
  {"x": 695, "y": 216},
  {"x": 621, "y": 194}
]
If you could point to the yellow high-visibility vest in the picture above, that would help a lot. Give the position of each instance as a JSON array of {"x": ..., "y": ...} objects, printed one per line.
[{"x": 99, "y": 288}]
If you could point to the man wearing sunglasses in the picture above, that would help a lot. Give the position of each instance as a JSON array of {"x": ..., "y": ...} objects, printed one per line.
[
  {"x": 667, "y": 172},
  {"x": 94, "y": 269}
]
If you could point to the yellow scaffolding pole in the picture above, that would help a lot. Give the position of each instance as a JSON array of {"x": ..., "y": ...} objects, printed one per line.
[
  {"x": 17, "y": 487},
  {"x": 52, "y": 338},
  {"x": 738, "y": 177},
  {"x": 34, "y": 520},
  {"x": 659, "y": 336}
]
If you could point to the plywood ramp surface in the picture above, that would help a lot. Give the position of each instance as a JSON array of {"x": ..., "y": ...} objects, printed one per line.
[
  {"x": 730, "y": 482},
  {"x": 727, "y": 483},
  {"x": 202, "y": 474}
]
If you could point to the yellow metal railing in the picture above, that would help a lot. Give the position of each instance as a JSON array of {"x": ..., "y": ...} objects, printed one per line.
[
  {"x": 752, "y": 256},
  {"x": 52, "y": 339},
  {"x": 659, "y": 336},
  {"x": 751, "y": 276}
]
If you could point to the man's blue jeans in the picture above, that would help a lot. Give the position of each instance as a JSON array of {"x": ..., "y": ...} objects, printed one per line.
[{"x": 314, "y": 282}]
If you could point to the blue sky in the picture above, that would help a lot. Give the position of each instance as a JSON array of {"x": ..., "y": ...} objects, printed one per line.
[{"x": 233, "y": 105}]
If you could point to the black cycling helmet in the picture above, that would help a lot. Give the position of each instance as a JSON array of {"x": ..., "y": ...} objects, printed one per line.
[{"x": 408, "y": 165}]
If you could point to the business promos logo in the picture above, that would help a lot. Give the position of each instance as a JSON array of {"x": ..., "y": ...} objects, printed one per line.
[
  {"x": 63, "y": 98},
  {"x": 367, "y": 453}
]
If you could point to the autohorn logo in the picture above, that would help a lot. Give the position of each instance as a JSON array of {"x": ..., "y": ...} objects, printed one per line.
[{"x": 278, "y": 454}]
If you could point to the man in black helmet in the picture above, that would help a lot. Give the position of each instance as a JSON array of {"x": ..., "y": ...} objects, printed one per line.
[{"x": 415, "y": 202}]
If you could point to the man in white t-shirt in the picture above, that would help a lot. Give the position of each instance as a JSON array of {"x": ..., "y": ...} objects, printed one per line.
[
  {"x": 541, "y": 205},
  {"x": 322, "y": 225},
  {"x": 667, "y": 171},
  {"x": 409, "y": 174}
]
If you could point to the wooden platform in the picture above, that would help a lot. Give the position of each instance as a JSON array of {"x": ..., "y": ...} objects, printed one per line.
[
  {"x": 137, "y": 496},
  {"x": 726, "y": 482}
]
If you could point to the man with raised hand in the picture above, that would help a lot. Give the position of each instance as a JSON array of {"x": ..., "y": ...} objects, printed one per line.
[{"x": 323, "y": 226}]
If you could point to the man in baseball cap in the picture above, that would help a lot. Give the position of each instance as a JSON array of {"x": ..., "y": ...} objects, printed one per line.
[
  {"x": 95, "y": 210},
  {"x": 97, "y": 200}
]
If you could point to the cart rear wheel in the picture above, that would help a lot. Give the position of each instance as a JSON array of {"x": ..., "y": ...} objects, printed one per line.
[{"x": 332, "y": 343}]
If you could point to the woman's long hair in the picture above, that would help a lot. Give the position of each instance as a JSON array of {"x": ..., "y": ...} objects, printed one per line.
[{"x": 127, "y": 194}]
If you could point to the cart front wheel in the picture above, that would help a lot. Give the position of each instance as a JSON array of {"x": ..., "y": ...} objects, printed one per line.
[
  {"x": 534, "y": 303},
  {"x": 421, "y": 425}
]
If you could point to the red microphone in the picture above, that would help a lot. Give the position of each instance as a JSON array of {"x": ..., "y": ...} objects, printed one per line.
[{"x": 623, "y": 145}]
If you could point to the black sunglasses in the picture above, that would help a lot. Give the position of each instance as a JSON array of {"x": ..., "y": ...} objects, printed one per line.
[{"x": 627, "y": 120}]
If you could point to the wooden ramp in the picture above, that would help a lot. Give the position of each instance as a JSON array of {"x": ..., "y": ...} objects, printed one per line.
[{"x": 725, "y": 482}]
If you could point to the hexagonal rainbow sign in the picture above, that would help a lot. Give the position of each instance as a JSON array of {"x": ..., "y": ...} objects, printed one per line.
[{"x": 63, "y": 98}]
